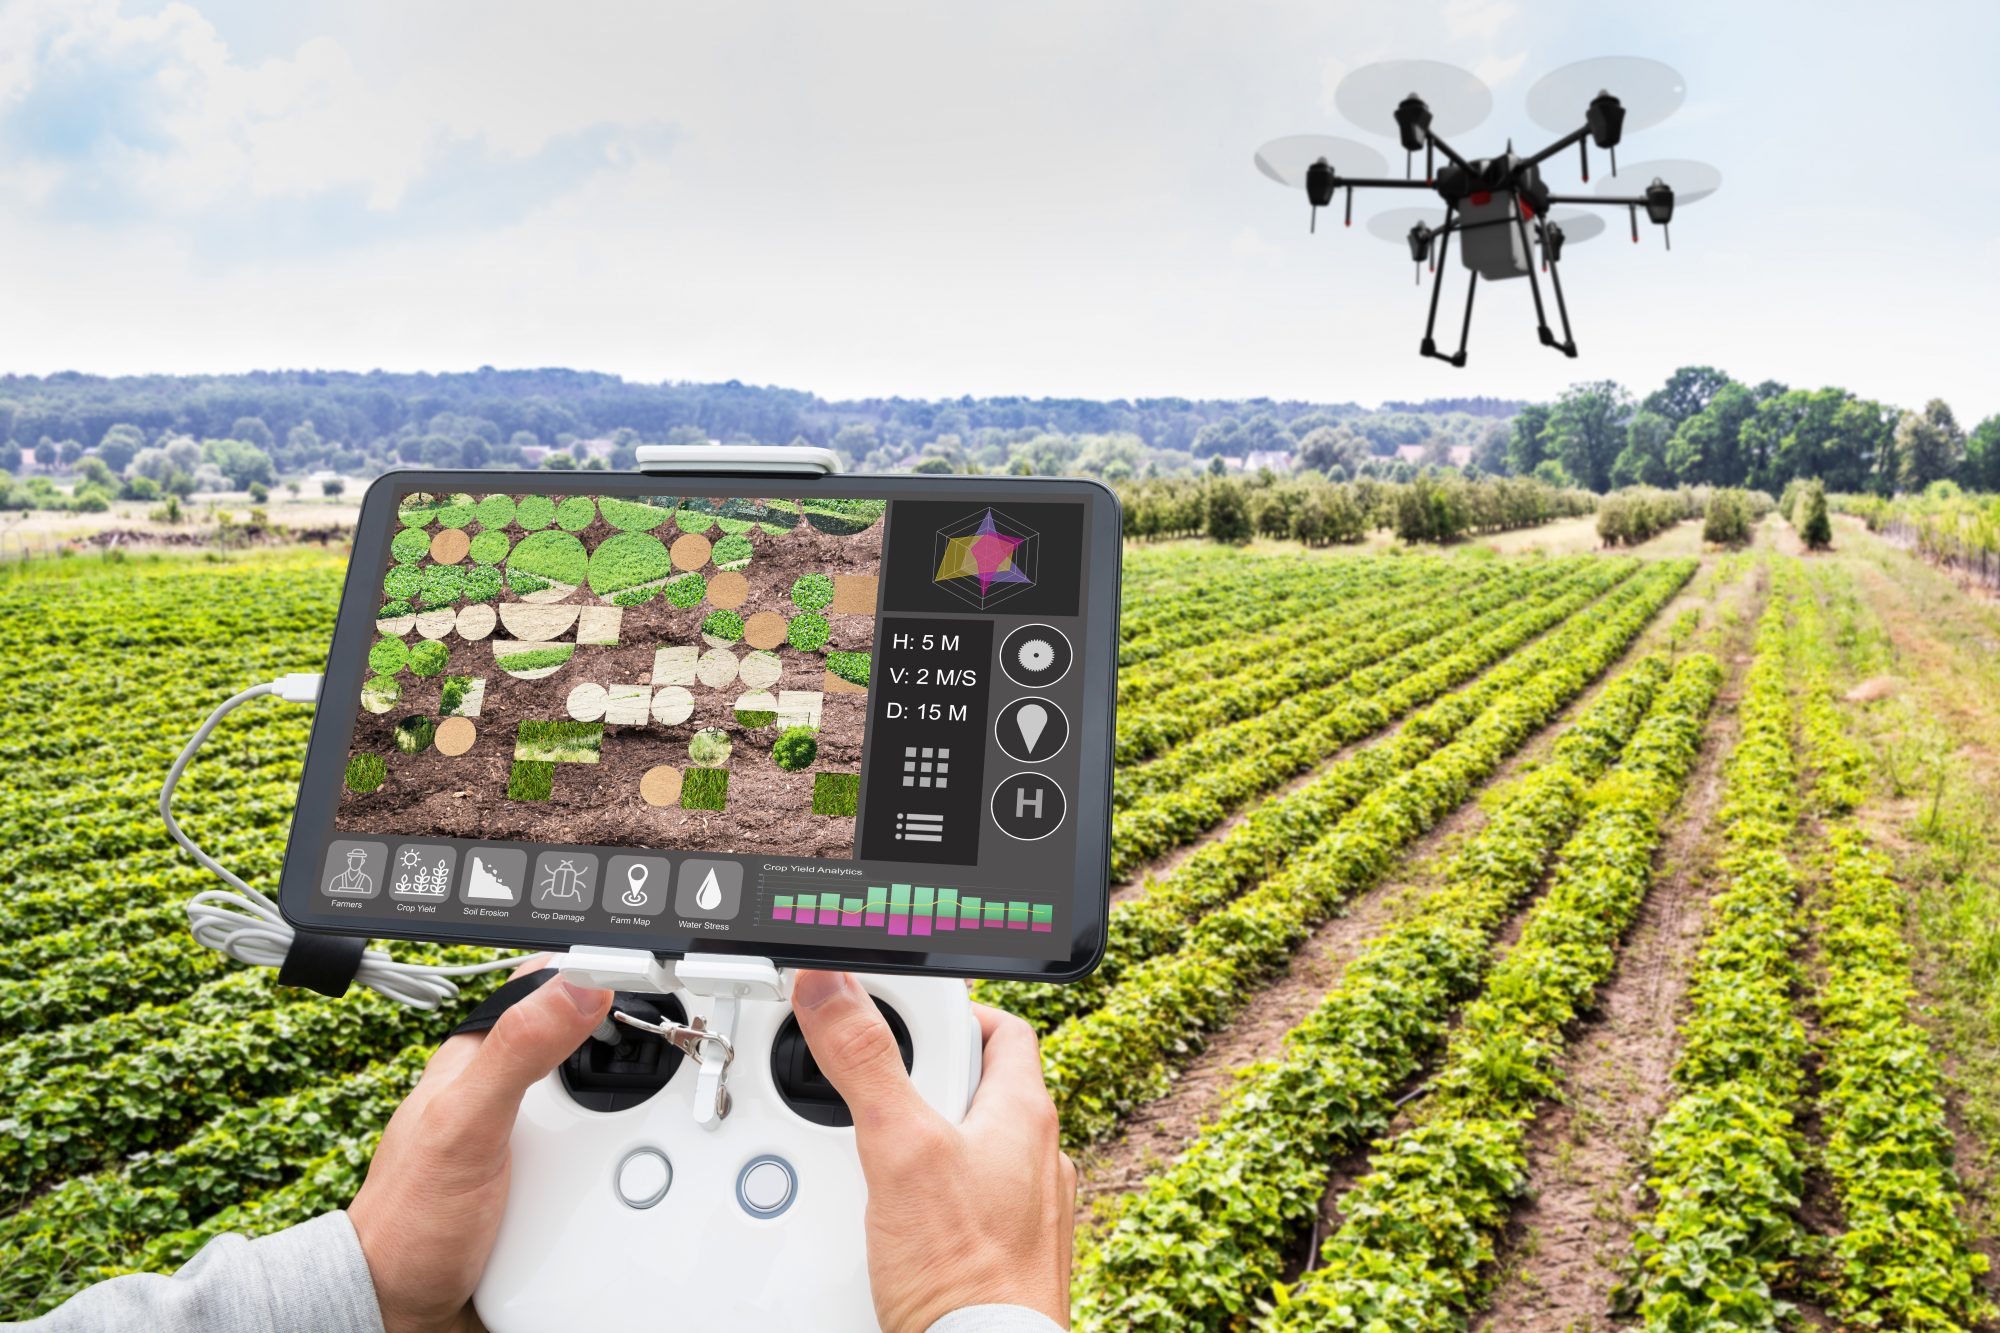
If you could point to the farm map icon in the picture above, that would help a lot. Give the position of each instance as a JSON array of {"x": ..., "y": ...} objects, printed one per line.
[{"x": 987, "y": 559}]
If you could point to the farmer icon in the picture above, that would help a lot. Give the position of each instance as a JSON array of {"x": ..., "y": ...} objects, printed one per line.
[{"x": 354, "y": 869}]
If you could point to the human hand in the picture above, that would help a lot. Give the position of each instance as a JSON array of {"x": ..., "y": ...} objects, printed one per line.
[
  {"x": 431, "y": 1205},
  {"x": 977, "y": 1213}
]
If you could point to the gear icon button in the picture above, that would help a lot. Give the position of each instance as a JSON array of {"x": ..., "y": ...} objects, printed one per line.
[{"x": 1036, "y": 656}]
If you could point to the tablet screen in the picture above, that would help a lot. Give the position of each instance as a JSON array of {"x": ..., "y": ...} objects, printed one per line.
[{"x": 863, "y": 722}]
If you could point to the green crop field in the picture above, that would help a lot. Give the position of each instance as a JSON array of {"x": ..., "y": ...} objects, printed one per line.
[{"x": 1509, "y": 939}]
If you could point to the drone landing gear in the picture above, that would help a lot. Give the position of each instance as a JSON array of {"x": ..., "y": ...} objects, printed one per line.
[
  {"x": 1429, "y": 346},
  {"x": 1568, "y": 344}
]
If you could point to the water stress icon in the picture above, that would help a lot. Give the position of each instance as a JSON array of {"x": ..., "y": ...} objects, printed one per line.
[{"x": 986, "y": 558}]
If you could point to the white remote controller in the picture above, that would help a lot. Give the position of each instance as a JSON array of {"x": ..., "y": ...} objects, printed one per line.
[{"x": 638, "y": 1209}]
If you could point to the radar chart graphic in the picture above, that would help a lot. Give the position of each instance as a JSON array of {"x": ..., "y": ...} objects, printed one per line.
[{"x": 986, "y": 559}]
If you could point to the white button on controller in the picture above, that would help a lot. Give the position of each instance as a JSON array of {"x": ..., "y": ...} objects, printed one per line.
[
  {"x": 643, "y": 1177},
  {"x": 766, "y": 1186}
]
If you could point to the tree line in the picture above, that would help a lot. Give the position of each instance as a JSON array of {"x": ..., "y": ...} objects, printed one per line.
[{"x": 1434, "y": 507}]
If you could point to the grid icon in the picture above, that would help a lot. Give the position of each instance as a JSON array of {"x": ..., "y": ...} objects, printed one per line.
[{"x": 926, "y": 766}]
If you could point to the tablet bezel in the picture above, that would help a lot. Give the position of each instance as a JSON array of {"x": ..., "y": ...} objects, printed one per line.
[{"x": 334, "y": 723}]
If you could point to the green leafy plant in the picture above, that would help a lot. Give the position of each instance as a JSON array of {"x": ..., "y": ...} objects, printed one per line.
[
  {"x": 850, "y": 667},
  {"x": 807, "y": 632},
  {"x": 409, "y": 545},
  {"x": 725, "y": 626},
  {"x": 795, "y": 749},
  {"x": 535, "y": 512},
  {"x": 428, "y": 658},
  {"x": 388, "y": 656},
  {"x": 495, "y": 512},
  {"x": 490, "y": 547},
  {"x": 686, "y": 590},
  {"x": 575, "y": 513},
  {"x": 556, "y": 557},
  {"x": 534, "y": 659},
  {"x": 732, "y": 552},
  {"x": 812, "y": 592},
  {"x": 625, "y": 559}
]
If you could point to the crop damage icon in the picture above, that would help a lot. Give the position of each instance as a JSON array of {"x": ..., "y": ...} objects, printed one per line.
[{"x": 986, "y": 559}]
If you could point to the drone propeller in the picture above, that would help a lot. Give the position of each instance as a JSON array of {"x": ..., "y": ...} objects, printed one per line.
[
  {"x": 1403, "y": 98},
  {"x": 1612, "y": 93},
  {"x": 1316, "y": 162},
  {"x": 1675, "y": 183}
]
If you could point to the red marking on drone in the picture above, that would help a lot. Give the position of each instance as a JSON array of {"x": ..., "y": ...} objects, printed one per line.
[{"x": 1480, "y": 197}]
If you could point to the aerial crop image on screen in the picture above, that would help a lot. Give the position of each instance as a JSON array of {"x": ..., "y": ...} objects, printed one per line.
[{"x": 651, "y": 671}]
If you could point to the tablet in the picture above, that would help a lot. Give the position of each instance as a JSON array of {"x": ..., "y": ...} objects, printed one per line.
[{"x": 860, "y": 722}]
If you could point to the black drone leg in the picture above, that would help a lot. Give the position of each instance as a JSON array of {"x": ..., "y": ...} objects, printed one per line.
[
  {"x": 1568, "y": 343},
  {"x": 1465, "y": 329},
  {"x": 1528, "y": 252},
  {"x": 1429, "y": 347}
]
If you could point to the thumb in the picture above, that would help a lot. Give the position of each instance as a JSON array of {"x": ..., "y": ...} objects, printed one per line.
[
  {"x": 856, "y": 1051},
  {"x": 530, "y": 1039}
]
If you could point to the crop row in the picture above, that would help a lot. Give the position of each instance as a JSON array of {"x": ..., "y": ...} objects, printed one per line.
[
  {"x": 1444, "y": 630},
  {"x": 1726, "y": 1164},
  {"x": 1156, "y": 921},
  {"x": 90, "y": 1227},
  {"x": 1206, "y": 1237},
  {"x": 1416, "y": 1245},
  {"x": 125, "y": 1096},
  {"x": 1265, "y": 592},
  {"x": 1100, "y": 1063},
  {"x": 1305, "y": 657},
  {"x": 1167, "y": 819}
]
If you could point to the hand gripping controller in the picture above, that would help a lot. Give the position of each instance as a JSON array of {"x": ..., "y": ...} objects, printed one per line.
[{"x": 634, "y": 1205}]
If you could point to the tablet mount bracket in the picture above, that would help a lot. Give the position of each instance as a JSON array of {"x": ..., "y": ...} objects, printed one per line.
[{"x": 737, "y": 460}]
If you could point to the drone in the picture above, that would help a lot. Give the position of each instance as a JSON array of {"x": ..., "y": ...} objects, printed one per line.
[{"x": 1500, "y": 207}]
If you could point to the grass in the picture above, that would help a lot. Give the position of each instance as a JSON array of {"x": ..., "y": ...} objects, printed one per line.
[
  {"x": 366, "y": 772},
  {"x": 837, "y": 794},
  {"x": 452, "y": 698},
  {"x": 537, "y": 658},
  {"x": 705, "y": 789},
  {"x": 531, "y": 780},
  {"x": 380, "y": 694},
  {"x": 559, "y": 742}
]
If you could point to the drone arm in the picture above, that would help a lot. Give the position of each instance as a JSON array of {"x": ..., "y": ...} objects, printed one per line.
[
  {"x": 1618, "y": 200},
  {"x": 1448, "y": 151},
  {"x": 1348, "y": 182},
  {"x": 1559, "y": 145}
]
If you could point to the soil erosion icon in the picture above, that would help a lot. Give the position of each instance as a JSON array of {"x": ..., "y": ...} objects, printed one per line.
[{"x": 986, "y": 559}]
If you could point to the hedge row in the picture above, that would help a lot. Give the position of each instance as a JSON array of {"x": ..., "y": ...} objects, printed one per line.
[{"x": 1204, "y": 1239}]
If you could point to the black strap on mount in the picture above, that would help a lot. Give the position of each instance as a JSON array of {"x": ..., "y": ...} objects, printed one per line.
[
  {"x": 511, "y": 993},
  {"x": 322, "y": 962}
]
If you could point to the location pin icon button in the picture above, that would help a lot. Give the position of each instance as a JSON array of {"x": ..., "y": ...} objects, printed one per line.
[
  {"x": 1031, "y": 719},
  {"x": 635, "y": 877}
]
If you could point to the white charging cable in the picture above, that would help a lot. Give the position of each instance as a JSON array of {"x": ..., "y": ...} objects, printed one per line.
[{"x": 247, "y": 926}]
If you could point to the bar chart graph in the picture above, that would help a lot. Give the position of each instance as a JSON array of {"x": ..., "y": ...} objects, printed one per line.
[{"x": 911, "y": 909}]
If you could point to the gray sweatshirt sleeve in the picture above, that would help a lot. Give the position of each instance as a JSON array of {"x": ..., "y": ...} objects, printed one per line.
[
  {"x": 311, "y": 1276},
  {"x": 995, "y": 1319}
]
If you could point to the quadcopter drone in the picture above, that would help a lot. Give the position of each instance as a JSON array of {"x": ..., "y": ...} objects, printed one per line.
[{"x": 1492, "y": 203}]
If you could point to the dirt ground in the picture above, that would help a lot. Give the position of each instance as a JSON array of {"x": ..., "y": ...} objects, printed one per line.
[{"x": 768, "y": 808}]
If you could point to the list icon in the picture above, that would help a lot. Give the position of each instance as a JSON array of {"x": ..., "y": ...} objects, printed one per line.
[
  {"x": 1031, "y": 730},
  {"x": 1028, "y": 806}
]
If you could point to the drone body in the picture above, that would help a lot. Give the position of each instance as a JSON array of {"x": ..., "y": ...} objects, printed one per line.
[{"x": 1498, "y": 207}]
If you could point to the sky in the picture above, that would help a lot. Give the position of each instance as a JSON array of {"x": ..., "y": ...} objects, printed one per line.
[{"x": 935, "y": 199}]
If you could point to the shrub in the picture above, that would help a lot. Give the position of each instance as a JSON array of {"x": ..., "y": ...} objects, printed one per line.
[
  {"x": 452, "y": 697},
  {"x": 709, "y": 746},
  {"x": 332, "y": 486},
  {"x": 575, "y": 514},
  {"x": 724, "y": 625},
  {"x": 409, "y": 546},
  {"x": 796, "y": 749},
  {"x": 428, "y": 657},
  {"x": 531, "y": 780},
  {"x": 705, "y": 789},
  {"x": 807, "y": 632},
  {"x": 388, "y": 656},
  {"x": 414, "y": 734},
  {"x": 535, "y": 512},
  {"x": 732, "y": 552},
  {"x": 812, "y": 592},
  {"x": 836, "y": 794},
  {"x": 1817, "y": 530},
  {"x": 366, "y": 772},
  {"x": 259, "y": 492},
  {"x": 686, "y": 590},
  {"x": 490, "y": 547},
  {"x": 1726, "y": 522},
  {"x": 625, "y": 559},
  {"x": 850, "y": 667},
  {"x": 495, "y": 512}
]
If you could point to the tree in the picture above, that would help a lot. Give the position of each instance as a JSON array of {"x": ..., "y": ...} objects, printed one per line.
[
  {"x": 119, "y": 445},
  {"x": 559, "y": 462},
  {"x": 1929, "y": 445},
  {"x": 1550, "y": 473},
  {"x": 1527, "y": 440},
  {"x": 1687, "y": 393},
  {"x": 1327, "y": 447},
  {"x": 252, "y": 430},
  {"x": 1587, "y": 431},
  {"x": 1981, "y": 468},
  {"x": 332, "y": 486},
  {"x": 1816, "y": 531},
  {"x": 45, "y": 452},
  {"x": 92, "y": 471},
  {"x": 1706, "y": 449},
  {"x": 244, "y": 464},
  {"x": 1643, "y": 461},
  {"x": 68, "y": 452},
  {"x": 1226, "y": 512}
]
